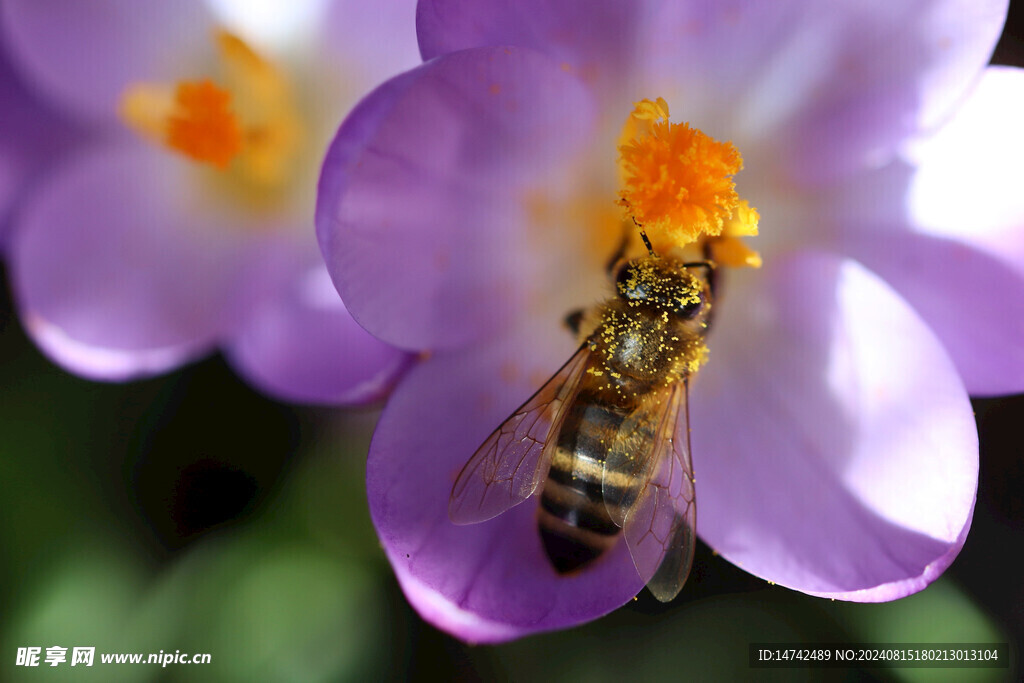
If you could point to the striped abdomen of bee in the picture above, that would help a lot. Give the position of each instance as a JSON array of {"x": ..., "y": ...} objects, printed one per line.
[{"x": 575, "y": 523}]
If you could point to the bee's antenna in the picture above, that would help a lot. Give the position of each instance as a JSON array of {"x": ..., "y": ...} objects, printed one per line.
[{"x": 643, "y": 235}]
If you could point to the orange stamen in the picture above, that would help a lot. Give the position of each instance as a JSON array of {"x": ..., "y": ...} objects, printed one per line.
[
  {"x": 677, "y": 181},
  {"x": 203, "y": 126}
]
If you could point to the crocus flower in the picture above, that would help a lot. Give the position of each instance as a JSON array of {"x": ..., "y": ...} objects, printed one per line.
[
  {"x": 33, "y": 136},
  {"x": 467, "y": 205},
  {"x": 188, "y": 226}
]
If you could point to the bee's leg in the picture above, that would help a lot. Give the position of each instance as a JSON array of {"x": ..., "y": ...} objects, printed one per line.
[
  {"x": 573, "y": 321},
  {"x": 710, "y": 275},
  {"x": 709, "y": 265}
]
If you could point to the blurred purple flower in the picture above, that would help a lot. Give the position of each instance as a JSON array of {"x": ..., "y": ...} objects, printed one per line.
[
  {"x": 463, "y": 210},
  {"x": 188, "y": 224},
  {"x": 32, "y": 136}
]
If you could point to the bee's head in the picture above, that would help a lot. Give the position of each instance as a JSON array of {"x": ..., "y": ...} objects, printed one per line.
[{"x": 664, "y": 283}]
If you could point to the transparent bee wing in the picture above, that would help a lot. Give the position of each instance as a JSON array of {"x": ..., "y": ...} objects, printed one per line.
[
  {"x": 659, "y": 516},
  {"x": 515, "y": 458}
]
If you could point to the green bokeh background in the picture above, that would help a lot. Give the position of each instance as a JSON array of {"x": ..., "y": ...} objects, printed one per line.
[{"x": 189, "y": 513}]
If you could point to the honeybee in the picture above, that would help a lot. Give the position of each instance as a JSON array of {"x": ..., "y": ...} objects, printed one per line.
[{"x": 606, "y": 439}]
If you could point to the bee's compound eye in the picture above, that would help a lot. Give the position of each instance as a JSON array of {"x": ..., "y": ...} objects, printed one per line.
[
  {"x": 629, "y": 284},
  {"x": 691, "y": 309}
]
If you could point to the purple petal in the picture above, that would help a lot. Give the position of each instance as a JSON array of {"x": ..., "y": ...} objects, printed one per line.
[
  {"x": 447, "y": 616},
  {"x": 967, "y": 183},
  {"x": 425, "y": 243},
  {"x": 296, "y": 341},
  {"x": 835, "y": 86},
  {"x": 33, "y": 136},
  {"x": 958, "y": 37},
  {"x": 594, "y": 38},
  {"x": 973, "y": 301},
  {"x": 489, "y": 581},
  {"x": 84, "y": 54},
  {"x": 834, "y": 447},
  {"x": 373, "y": 40},
  {"x": 117, "y": 269},
  {"x": 900, "y": 70},
  {"x": 960, "y": 261}
]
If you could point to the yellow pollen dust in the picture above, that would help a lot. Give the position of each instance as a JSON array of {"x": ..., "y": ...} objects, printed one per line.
[
  {"x": 247, "y": 116},
  {"x": 677, "y": 184}
]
